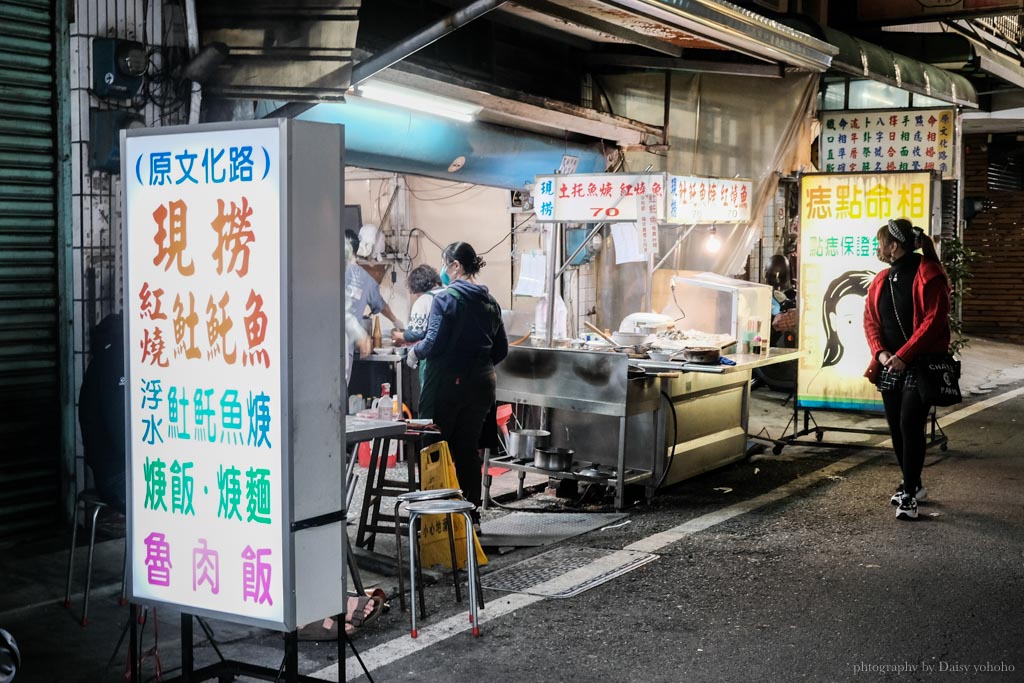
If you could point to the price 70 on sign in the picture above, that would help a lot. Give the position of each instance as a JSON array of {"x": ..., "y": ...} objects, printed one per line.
[{"x": 596, "y": 197}]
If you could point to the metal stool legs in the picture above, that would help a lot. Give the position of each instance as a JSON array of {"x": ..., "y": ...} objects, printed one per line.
[
  {"x": 88, "y": 565},
  {"x": 82, "y": 502},
  {"x": 448, "y": 508},
  {"x": 419, "y": 496}
]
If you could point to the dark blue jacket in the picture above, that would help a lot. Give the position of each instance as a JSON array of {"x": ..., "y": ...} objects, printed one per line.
[{"x": 464, "y": 331}]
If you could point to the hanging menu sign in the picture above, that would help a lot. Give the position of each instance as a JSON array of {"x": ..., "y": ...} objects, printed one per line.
[
  {"x": 596, "y": 197},
  {"x": 708, "y": 200},
  {"x": 873, "y": 141}
]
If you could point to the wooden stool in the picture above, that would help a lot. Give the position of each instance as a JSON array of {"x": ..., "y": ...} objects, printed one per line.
[{"x": 378, "y": 487}]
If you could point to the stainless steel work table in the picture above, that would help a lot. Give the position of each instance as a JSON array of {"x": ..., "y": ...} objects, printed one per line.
[{"x": 581, "y": 388}]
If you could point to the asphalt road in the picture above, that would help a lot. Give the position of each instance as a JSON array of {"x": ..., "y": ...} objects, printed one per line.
[
  {"x": 788, "y": 568},
  {"x": 821, "y": 585}
]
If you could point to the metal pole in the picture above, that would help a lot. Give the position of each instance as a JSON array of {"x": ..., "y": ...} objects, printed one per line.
[
  {"x": 675, "y": 246},
  {"x": 133, "y": 644},
  {"x": 187, "y": 658},
  {"x": 397, "y": 52},
  {"x": 648, "y": 294},
  {"x": 555, "y": 231},
  {"x": 583, "y": 244}
]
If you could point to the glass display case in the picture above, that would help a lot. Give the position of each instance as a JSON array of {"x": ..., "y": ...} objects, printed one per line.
[{"x": 719, "y": 305}]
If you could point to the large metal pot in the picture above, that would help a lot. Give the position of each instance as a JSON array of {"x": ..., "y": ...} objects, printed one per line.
[
  {"x": 523, "y": 442},
  {"x": 559, "y": 459}
]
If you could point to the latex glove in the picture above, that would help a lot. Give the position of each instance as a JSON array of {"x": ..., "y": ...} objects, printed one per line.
[
  {"x": 411, "y": 359},
  {"x": 398, "y": 335}
]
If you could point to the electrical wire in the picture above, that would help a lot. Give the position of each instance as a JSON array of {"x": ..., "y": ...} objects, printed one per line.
[
  {"x": 441, "y": 199},
  {"x": 510, "y": 233},
  {"x": 675, "y": 436},
  {"x": 672, "y": 288}
]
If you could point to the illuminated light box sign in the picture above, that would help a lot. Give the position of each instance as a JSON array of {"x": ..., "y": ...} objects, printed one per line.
[
  {"x": 226, "y": 225},
  {"x": 596, "y": 197},
  {"x": 887, "y": 141},
  {"x": 708, "y": 200},
  {"x": 839, "y": 219}
]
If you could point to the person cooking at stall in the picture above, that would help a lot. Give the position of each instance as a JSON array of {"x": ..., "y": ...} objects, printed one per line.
[
  {"x": 465, "y": 339},
  {"x": 355, "y": 335},
  {"x": 361, "y": 290},
  {"x": 906, "y": 315},
  {"x": 424, "y": 284}
]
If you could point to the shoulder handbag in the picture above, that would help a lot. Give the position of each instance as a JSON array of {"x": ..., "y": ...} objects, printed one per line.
[
  {"x": 938, "y": 379},
  {"x": 938, "y": 374}
]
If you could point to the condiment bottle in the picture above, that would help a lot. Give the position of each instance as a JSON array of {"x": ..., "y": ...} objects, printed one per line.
[
  {"x": 376, "y": 336},
  {"x": 384, "y": 403}
]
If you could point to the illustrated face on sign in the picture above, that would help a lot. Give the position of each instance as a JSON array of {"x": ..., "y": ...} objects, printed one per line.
[{"x": 842, "y": 314}]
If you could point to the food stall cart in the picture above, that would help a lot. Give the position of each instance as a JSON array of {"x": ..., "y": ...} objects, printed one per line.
[{"x": 589, "y": 393}]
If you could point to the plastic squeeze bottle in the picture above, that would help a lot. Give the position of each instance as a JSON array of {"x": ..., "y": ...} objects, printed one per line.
[{"x": 385, "y": 402}]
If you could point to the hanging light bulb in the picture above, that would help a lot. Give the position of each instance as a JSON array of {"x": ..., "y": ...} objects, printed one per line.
[{"x": 713, "y": 244}]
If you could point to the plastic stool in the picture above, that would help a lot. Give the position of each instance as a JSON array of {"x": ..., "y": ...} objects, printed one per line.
[
  {"x": 88, "y": 498},
  {"x": 419, "y": 497},
  {"x": 445, "y": 507}
]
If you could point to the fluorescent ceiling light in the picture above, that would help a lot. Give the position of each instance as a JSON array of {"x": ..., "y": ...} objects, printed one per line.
[{"x": 408, "y": 98}]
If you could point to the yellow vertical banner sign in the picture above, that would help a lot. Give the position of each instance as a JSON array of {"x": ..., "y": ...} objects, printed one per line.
[
  {"x": 437, "y": 471},
  {"x": 840, "y": 215}
]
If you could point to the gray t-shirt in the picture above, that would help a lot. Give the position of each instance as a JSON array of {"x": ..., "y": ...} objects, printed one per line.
[{"x": 362, "y": 291}]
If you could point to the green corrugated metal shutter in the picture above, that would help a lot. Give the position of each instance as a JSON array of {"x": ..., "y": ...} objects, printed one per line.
[{"x": 29, "y": 372}]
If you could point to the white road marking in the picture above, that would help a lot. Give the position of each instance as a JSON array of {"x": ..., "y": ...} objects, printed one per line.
[
  {"x": 403, "y": 646},
  {"x": 975, "y": 408}
]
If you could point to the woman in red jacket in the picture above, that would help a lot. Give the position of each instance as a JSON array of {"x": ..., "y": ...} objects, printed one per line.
[{"x": 906, "y": 314}]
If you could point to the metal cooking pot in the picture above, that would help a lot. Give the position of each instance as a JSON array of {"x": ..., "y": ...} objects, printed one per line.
[
  {"x": 704, "y": 355},
  {"x": 558, "y": 459},
  {"x": 523, "y": 442}
]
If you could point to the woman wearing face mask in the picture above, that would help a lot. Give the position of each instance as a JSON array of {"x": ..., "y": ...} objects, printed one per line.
[
  {"x": 906, "y": 315},
  {"x": 465, "y": 339}
]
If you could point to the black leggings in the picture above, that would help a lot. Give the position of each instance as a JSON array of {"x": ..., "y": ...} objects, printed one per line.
[
  {"x": 459, "y": 413},
  {"x": 907, "y": 415}
]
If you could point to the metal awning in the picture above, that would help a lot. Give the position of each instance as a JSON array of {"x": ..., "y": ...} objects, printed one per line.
[
  {"x": 733, "y": 27},
  {"x": 866, "y": 60}
]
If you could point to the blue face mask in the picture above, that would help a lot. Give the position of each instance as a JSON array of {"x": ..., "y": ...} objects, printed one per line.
[{"x": 445, "y": 279}]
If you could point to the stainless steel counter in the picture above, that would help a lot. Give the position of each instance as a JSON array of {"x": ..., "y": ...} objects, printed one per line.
[
  {"x": 590, "y": 397},
  {"x": 711, "y": 413}
]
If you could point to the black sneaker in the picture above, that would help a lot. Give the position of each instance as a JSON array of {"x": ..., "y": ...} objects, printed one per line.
[
  {"x": 921, "y": 494},
  {"x": 907, "y": 508}
]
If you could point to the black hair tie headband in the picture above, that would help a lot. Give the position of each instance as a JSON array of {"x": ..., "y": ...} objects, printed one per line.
[{"x": 896, "y": 232}]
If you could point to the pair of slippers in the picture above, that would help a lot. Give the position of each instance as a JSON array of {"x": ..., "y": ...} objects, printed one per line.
[{"x": 363, "y": 610}]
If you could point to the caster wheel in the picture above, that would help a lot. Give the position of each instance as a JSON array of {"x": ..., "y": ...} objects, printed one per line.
[
  {"x": 944, "y": 447},
  {"x": 777, "y": 450},
  {"x": 818, "y": 436}
]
